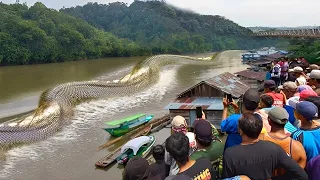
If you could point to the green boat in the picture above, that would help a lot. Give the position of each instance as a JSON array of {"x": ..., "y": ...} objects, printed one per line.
[
  {"x": 140, "y": 146},
  {"x": 121, "y": 127}
]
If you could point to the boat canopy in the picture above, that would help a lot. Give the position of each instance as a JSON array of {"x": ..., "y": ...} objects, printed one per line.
[
  {"x": 135, "y": 144},
  {"x": 124, "y": 120}
]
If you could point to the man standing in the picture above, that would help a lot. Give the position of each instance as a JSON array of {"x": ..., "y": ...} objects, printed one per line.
[
  {"x": 309, "y": 132},
  {"x": 251, "y": 99},
  {"x": 276, "y": 73},
  {"x": 206, "y": 146},
  {"x": 270, "y": 89},
  {"x": 258, "y": 159},
  {"x": 301, "y": 78},
  {"x": 178, "y": 146},
  {"x": 284, "y": 70},
  {"x": 289, "y": 89},
  {"x": 278, "y": 117}
]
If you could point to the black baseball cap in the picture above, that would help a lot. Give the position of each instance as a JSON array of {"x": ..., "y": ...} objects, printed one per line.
[
  {"x": 251, "y": 99},
  {"x": 269, "y": 84},
  {"x": 203, "y": 130}
]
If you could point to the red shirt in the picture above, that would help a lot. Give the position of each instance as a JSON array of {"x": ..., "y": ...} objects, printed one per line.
[{"x": 277, "y": 98}]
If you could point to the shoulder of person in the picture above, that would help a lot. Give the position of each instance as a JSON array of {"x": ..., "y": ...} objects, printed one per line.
[
  {"x": 204, "y": 160},
  {"x": 231, "y": 150},
  {"x": 234, "y": 117}
]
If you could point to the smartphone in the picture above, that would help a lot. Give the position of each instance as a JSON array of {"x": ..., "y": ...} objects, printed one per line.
[
  {"x": 229, "y": 98},
  {"x": 199, "y": 112}
]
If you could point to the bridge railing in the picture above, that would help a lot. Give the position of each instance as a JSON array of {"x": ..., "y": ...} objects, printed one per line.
[{"x": 315, "y": 32}]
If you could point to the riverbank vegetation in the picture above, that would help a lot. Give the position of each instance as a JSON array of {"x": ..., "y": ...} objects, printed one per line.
[
  {"x": 37, "y": 34},
  {"x": 307, "y": 48},
  {"x": 41, "y": 35}
]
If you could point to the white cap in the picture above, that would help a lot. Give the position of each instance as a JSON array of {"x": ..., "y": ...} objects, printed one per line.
[
  {"x": 297, "y": 69},
  {"x": 179, "y": 121},
  {"x": 315, "y": 74}
]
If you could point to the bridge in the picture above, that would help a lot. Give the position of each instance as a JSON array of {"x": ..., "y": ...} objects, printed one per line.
[{"x": 312, "y": 33}]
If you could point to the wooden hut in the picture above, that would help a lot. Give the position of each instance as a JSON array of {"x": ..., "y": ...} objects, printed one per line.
[
  {"x": 252, "y": 78},
  {"x": 209, "y": 95}
]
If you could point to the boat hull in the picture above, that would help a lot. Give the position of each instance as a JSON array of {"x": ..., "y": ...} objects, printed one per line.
[
  {"x": 142, "y": 152},
  {"x": 127, "y": 127}
]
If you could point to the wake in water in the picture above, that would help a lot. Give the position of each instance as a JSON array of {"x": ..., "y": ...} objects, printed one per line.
[{"x": 56, "y": 105}]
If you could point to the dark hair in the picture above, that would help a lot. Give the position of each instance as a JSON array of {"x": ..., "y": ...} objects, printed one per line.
[
  {"x": 158, "y": 152},
  {"x": 251, "y": 99},
  {"x": 268, "y": 68},
  {"x": 273, "y": 124},
  {"x": 267, "y": 100},
  {"x": 272, "y": 88},
  {"x": 251, "y": 125},
  {"x": 204, "y": 143},
  {"x": 250, "y": 106},
  {"x": 315, "y": 100},
  {"x": 178, "y": 147}
]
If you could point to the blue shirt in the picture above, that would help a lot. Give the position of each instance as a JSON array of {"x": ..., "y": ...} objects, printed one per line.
[
  {"x": 268, "y": 75},
  {"x": 290, "y": 111},
  {"x": 230, "y": 126},
  {"x": 310, "y": 139}
]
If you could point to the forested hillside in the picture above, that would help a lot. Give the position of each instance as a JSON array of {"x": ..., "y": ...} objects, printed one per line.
[
  {"x": 165, "y": 29},
  {"x": 41, "y": 35}
]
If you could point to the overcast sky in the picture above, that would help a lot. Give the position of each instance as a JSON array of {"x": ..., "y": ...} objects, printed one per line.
[{"x": 244, "y": 12}]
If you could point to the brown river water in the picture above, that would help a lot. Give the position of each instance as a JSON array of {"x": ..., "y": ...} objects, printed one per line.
[{"x": 71, "y": 153}]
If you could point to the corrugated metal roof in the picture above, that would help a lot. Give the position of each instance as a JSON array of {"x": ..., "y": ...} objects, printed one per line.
[
  {"x": 276, "y": 55},
  {"x": 225, "y": 82},
  {"x": 229, "y": 84},
  {"x": 193, "y": 103},
  {"x": 260, "y": 76}
]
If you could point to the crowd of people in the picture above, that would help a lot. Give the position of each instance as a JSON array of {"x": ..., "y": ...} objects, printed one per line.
[{"x": 276, "y": 135}]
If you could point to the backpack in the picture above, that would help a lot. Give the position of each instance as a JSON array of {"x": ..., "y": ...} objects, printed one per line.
[{"x": 276, "y": 70}]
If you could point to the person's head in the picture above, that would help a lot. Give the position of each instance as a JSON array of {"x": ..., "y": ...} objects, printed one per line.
[
  {"x": 283, "y": 59},
  {"x": 268, "y": 68},
  {"x": 276, "y": 61},
  {"x": 278, "y": 117},
  {"x": 307, "y": 93},
  {"x": 137, "y": 169},
  {"x": 250, "y": 125},
  {"x": 315, "y": 100},
  {"x": 266, "y": 101},
  {"x": 298, "y": 71},
  {"x": 179, "y": 124},
  {"x": 251, "y": 99},
  {"x": 291, "y": 72},
  {"x": 289, "y": 89},
  {"x": 203, "y": 133},
  {"x": 178, "y": 147},
  {"x": 304, "y": 110},
  {"x": 314, "y": 78},
  {"x": 313, "y": 67},
  {"x": 303, "y": 87},
  {"x": 158, "y": 152},
  {"x": 269, "y": 86}
]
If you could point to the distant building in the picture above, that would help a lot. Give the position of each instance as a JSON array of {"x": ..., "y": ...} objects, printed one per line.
[
  {"x": 209, "y": 95},
  {"x": 252, "y": 78}
]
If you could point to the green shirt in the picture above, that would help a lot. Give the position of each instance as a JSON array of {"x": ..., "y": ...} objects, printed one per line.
[{"x": 213, "y": 152}]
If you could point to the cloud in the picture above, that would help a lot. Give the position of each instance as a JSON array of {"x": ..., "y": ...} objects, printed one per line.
[{"x": 273, "y": 13}]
